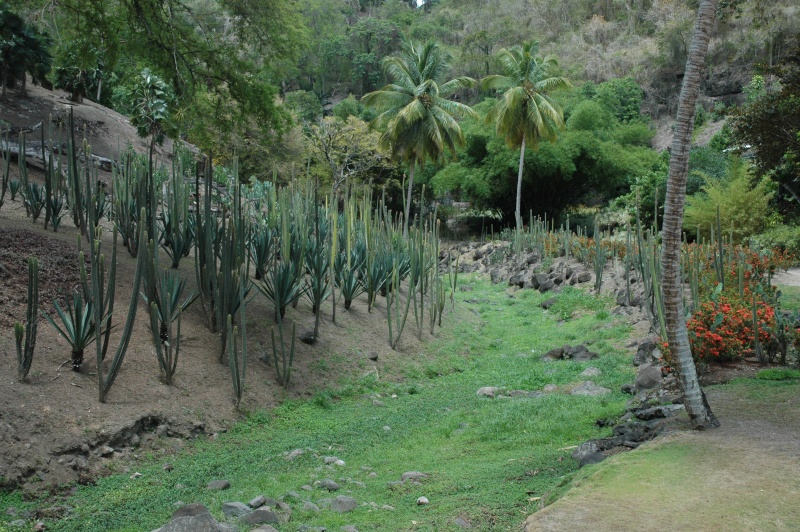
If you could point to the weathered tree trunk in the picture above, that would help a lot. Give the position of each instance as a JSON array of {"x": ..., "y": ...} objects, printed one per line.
[
  {"x": 517, "y": 211},
  {"x": 697, "y": 407}
]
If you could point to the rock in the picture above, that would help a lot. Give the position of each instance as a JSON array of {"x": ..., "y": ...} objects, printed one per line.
[
  {"x": 349, "y": 528},
  {"x": 39, "y": 527},
  {"x": 546, "y": 304},
  {"x": 413, "y": 475},
  {"x": 265, "y": 528},
  {"x": 422, "y": 501},
  {"x": 589, "y": 388},
  {"x": 572, "y": 352},
  {"x": 584, "y": 277},
  {"x": 518, "y": 279},
  {"x": 235, "y": 509},
  {"x": 105, "y": 450},
  {"x": 645, "y": 353},
  {"x": 260, "y": 517},
  {"x": 585, "y": 449},
  {"x": 629, "y": 388},
  {"x": 550, "y": 388},
  {"x": 539, "y": 279},
  {"x": 17, "y": 523},
  {"x": 339, "y": 463},
  {"x": 309, "y": 506},
  {"x": 306, "y": 528},
  {"x": 658, "y": 412},
  {"x": 585, "y": 356},
  {"x": 307, "y": 337},
  {"x": 593, "y": 458},
  {"x": 306, "y": 487},
  {"x": 217, "y": 485},
  {"x": 328, "y": 484},
  {"x": 648, "y": 378},
  {"x": 168, "y": 467},
  {"x": 557, "y": 353},
  {"x": 330, "y": 459},
  {"x": 373, "y": 474},
  {"x": 377, "y": 403},
  {"x": 193, "y": 523},
  {"x": 465, "y": 288},
  {"x": 293, "y": 454},
  {"x": 257, "y": 502},
  {"x": 591, "y": 372},
  {"x": 497, "y": 275},
  {"x": 546, "y": 286},
  {"x": 460, "y": 522},
  {"x": 189, "y": 510},
  {"x": 488, "y": 391},
  {"x": 343, "y": 504},
  {"x": 372, "y": 355}
]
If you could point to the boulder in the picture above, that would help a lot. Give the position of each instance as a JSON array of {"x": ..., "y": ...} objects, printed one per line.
[
  {"x": 648, "y": 378},
  {"x": 590, "y": 388}
]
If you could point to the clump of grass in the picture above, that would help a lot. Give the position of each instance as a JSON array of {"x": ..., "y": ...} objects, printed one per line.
[{"x": 778, "y": 374}]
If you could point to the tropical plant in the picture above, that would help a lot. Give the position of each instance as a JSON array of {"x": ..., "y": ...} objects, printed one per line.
[
  {"x": 23, "y": 50},
  {"x": 79, "y": 328},
  {"x": 524, "y": 114},
  {"x": 25, "y": 336},
  {"x": 417, "y": 121},
  {"x": 697, "y": 407}
]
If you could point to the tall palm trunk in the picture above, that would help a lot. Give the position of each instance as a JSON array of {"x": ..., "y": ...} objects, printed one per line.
[
  {"x": 697, "y": 407},
  {"x": 517, "y": 213},
  {"x": 406, "y": 220}
]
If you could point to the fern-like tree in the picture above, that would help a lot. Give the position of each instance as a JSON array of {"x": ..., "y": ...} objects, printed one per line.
[
  {"x": 417, "y": 120},
  {"x": 525, "y": 114}
]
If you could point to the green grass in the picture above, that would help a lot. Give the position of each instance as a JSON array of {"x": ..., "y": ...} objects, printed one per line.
[
  {"x": 790, "y": 297},
  {"x": 778, "y": 374},
  {"x": 488, "y": 459}
]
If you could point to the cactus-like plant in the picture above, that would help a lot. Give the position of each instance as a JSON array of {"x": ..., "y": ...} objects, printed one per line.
[
  {"x": 25, "y": 336},
  {"x": 79, "y": 328}
]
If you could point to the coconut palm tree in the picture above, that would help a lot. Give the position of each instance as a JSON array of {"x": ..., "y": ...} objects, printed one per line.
[
  {"x": 697, "y": 407},
  {"x": 524, "y": 114},
  {"x": 417, "y": 120}
]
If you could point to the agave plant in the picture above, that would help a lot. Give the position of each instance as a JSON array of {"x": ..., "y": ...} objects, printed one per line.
[
  {"x": 34, "y": 200},
  {"x": 79, "y": 328},
  {"x": 57, "y": 211},
  {"x": 261, "y": 248},
  {"x": 13, "y": 187}
]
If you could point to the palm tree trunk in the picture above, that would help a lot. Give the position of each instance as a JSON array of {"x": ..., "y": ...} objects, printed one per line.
[
  {"x": 517, "y": 213},
  {"x": 407, "y": 222},
  {"x": 697, "y": 407}
]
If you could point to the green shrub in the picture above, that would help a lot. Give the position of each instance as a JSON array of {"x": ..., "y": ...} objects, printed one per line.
[
  {"x": 783, "y": 237},
  {"x": 743, "y": 210}
]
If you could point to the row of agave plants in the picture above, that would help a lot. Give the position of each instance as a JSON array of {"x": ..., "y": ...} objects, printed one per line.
[
  {"x": 732, "y": 308},
  {"x": 286, "y": 242}
]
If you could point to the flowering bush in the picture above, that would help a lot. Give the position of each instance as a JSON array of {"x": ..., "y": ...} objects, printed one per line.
[{"x": 723, "y": 329}]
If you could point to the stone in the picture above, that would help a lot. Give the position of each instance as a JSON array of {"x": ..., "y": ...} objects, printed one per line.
[
  {"x": 518, "y": 279},
  {"x": 265, "y": 528},
  {"x": 585, "y": 449},
  {"x": 487, "y": 391},
  {"x": 235, "y": 509},
  {"x": 413, "y": 475},
  {"x": 591, "y": 372},
  {"x": 339, "y": 463},
  {"x": 330, "y": 459},
  {"x": 585, "y": 356},
  {"x": 590, "y": 388},
  {"x": 261, "y": 516},
  {"x": 648, "y": 378},
  {"x": 307, "y": 337},
  {"x": 343, "y": 504},
  {"x": 557, "y": 353},
  {"x": 546, "y": 286},
  {"x": 645, "y": 353},
  {"x": 17, "y": 523},
  {"x": 628, "y": 388},
  {"x": 218, "y": 485},
  {"x": 293, "y": 454},
  {"x": 372, "y": 355},
  {"x": 309, "y": 506},
  {"x": 550, "y": 388},
  {"x": 658, "y": 412},
  {"x": 105, "y": 450},
  {"x": 546, "y": 304},
  {"x": 192, "y": 523},
  {"x": 422, "y": 501},
  {"x": 328, "y": 484},
  {"x": 593, "y": 458},
  {"x": 584, "y": 277},
  {"x": 349, "y": 528},
  {"x": 257, "y": 502},
  {"x": 460, "y": 522},
  {"x": 167, "y": 467},
  {"x": 189, "y": 510}
]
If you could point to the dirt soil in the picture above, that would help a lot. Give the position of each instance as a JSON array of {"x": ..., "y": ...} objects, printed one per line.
[{"x": 53, "y": 430}]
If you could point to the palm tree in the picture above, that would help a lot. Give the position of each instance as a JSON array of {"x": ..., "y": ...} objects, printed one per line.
[
  {"x": 524, "y": 114},
  {"x": 700, "y": 413},
  {"x": 417, "y": 119}
]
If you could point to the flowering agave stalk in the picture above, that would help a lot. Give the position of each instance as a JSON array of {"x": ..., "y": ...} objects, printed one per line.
[{"x": 25, "y": 336}]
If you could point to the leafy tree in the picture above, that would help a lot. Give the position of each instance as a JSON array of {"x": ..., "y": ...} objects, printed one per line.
[
  {"x": 770, "y": 123},
  {"x": 623, "y": 96},
  {"x": 23, "y": 49},
  {"x": 524, "y": 114},
  {"x": 349, "y": 149},
  {"x": 305, "y": 106},
  {"x": 417, "y": 121},
  {"x": 700, "y": 414}
]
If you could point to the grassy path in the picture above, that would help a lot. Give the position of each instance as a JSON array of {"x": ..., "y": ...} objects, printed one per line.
[{"x": 488, "y": 460}]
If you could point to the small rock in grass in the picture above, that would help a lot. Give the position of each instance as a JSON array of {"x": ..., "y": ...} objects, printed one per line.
[
  {"x": 591, "y": 372},
  {"x": 591, "y": 389},
  {"x": 260, "y": 517},
  {"x": 217, "y": 485},
  {"x": 328, "y": 484},
  {"x": 339, "y": 463},
  {"x": 294, "y": 454},
  {"x": 423, "y": 501},
  {"x": 349, "y": 528},
  {"x": 412, "y": 475},
  {"x": 257, "y": 502},
  {"x": 235, "y": 509},
  {"x": 487, "y": 391},
  {"x": 462, "y": 523},
  {"x": 330, "y": 459},
  {"x": 343, "y": 504},
  {"x": 309, "y": 506}
]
